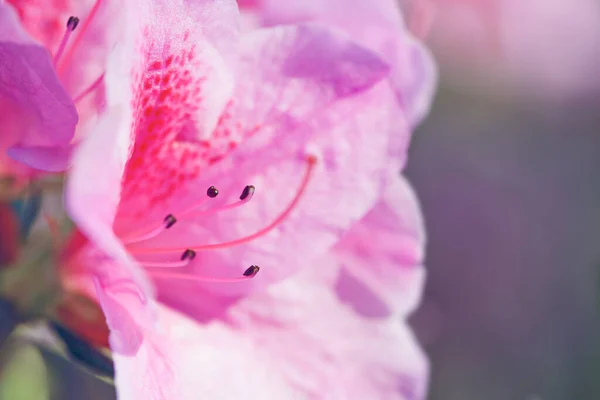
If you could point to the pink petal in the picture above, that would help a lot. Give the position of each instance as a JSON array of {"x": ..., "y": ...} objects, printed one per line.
[
  {"x": 382, "y": 255},
  {"x": 93, "y": 190},
  {"x": 376, "y": 25},
  {"x": 298, "y": 340},
  {"x": 54, "y": 159},
  {"x": 176, "y": 76},
  {"x": 184, "y": 361},
  {"x": 309, "y": 91},
  {"x": 37, "y": 111}
]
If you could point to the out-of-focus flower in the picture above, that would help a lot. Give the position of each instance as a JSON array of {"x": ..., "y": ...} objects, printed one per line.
[
  {"x": 298, "y": 119},
  {"x": 377, "y": 25},
  {"x": 9, "y": 235},
  {"x": 39, "y": 93},
  {"x": 540, "y": 48}
]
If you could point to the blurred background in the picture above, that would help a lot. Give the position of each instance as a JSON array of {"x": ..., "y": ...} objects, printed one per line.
[{"x": 506, "y": 169}]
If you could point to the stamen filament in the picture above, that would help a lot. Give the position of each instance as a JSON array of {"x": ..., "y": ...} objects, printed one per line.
[
  {"x": 166, "y": 264},
  {"x": 195, "y": 278},
  {"x": 152, "y": 234},
  {"x": 311, "y": 162},
  {"x": 186, "y": 258},
  {"x": 144, "y": 234},
  {"x": 67, "y": 58},
  {"x": 71, "y": 25},
  {"x": 246, "y": 197},
  {"x": 89, "y": 90}
]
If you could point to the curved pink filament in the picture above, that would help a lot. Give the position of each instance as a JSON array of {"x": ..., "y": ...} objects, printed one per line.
[
  {"x": 166, "y": 264},
  {"x": 219, "y": 209},
  {"x": 64, "y": 62},
  {"x": 194, "y": 278},
  {"x": 145, "y": 235},
  {"x": 311, "y": 161},
  {"x": 89, "y": 89},
  {"x": 62, "y": 45}
]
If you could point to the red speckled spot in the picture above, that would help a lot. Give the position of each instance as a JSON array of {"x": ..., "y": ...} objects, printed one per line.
[
  {"x": 45, "y": 20},
  {"x": 167, "y": 152}
]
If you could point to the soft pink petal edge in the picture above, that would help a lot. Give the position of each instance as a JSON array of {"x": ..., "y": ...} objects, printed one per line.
[
  {"x": 383, "y": 254},
  {"x": 297, "y": 340}
]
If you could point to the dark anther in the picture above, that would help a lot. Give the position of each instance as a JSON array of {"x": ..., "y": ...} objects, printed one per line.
[
  {"x": 188, "y": 255},
  {"x": 72, "y": 23},
  {"x": 170, "y": 221},
  {"x": 212, "y": 192},
  {"x": 248, "y": 191},
  {"x": 252, "y": 271}
]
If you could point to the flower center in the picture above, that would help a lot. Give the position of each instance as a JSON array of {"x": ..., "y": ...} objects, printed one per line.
[{"x": 188, "y": 253}]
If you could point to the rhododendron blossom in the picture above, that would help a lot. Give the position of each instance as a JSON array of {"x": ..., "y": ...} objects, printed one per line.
[
  {"x": 221, "y": 152},
  {"x": 51, "y": 70}
]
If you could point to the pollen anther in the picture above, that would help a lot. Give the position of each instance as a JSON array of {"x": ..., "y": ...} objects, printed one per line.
[{"x": 251, "y": 271}]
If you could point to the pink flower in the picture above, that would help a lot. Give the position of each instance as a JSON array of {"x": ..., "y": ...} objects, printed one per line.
[
  {"x": 377, "y": 25},
  {"x": 39, "y": 114},
  {"x": 292, "y": 125},
  {"x": 529, "y": 47},
  {"x": 324, "y": 333}
]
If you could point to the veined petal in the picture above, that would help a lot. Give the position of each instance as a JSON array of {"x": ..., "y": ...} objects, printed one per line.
[
  {"x": 383, "y": 254},
  {"x": 298, "y": 340},
  {"x": 174, "y": 71},
  {"x": 36, "y": 109},
  {"x": 53, "y": 159},
  {"x": 92, "y": 193},
  {"x": 377, "y": 25},
  {"x": 308, "y": 92}
]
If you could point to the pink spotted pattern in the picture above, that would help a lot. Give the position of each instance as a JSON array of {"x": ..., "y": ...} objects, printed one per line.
[{"x": 168, "y": 151}]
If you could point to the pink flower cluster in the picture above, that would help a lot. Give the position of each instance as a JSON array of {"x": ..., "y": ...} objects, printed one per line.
[{"x": 234, "y": 176}]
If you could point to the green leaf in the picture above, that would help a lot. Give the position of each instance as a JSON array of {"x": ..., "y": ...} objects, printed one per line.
[{"x": 24, "y": 375}]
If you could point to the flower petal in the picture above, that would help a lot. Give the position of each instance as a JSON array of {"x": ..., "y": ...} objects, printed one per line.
[
  {"x": 376, "y": 25},
  {"x": 36, "y": 110},
  {"x": 383, "y": 254},
  {"x": 93, "y": 191},
  {"x": 296, "y": 341},
  {"x": 54, "y": 159},
  {"x": 176, "y": 76},
  {"x": 311, "y": 92}
]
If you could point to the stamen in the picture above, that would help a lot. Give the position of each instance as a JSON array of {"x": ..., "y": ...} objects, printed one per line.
[
  {"x": 169, "y": 221},
  {"x": 71, "y": 25},
  {"x": 311, "y": 162},
  {"x": 186, "y": 258},
  {"x": 194, "y": 278},
  {"x": 248, "y": 191},
  {"x": 212, "y": 192},
  {"x": 251, "y": 271},
  {"x": 67, "y": 58},
  {"x": 245, "y": 197},
  {"x": 89, "y": 90},
  {"x": 144, "y": 234}
]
